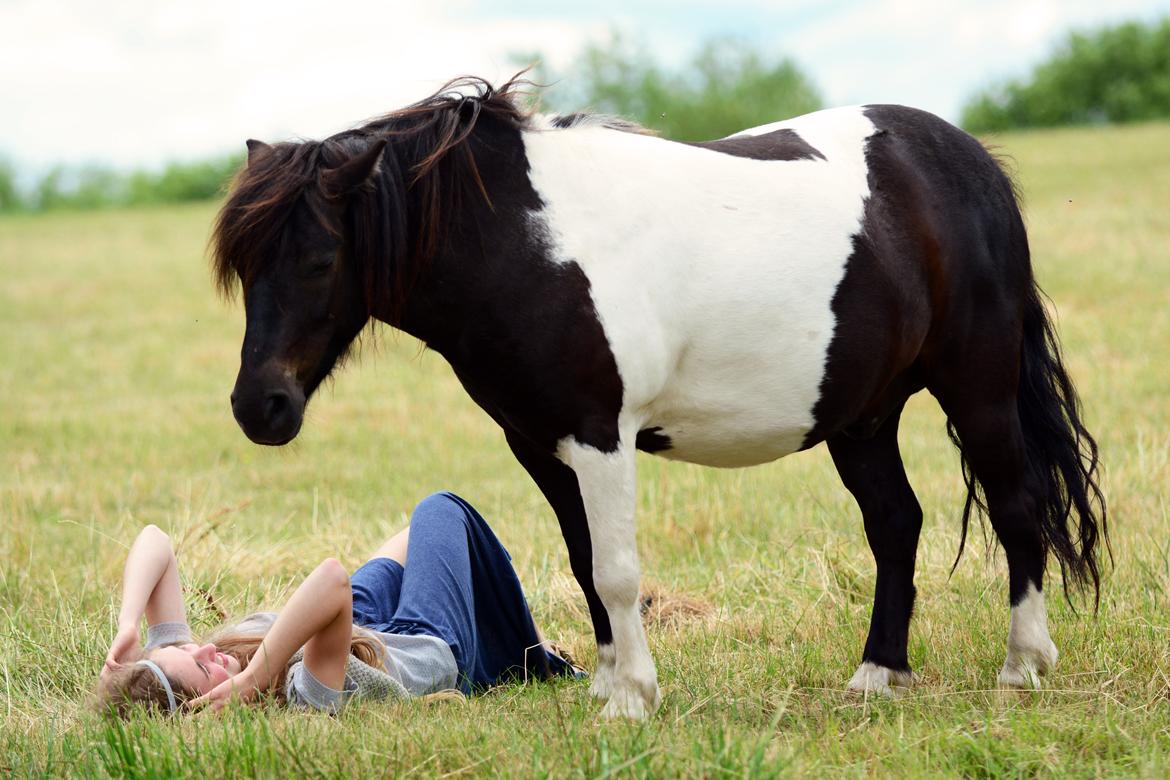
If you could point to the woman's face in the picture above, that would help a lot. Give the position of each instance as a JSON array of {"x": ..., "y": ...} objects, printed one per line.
[{"x": 196, "y": 667}]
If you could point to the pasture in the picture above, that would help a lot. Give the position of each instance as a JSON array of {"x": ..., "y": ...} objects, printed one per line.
[{"x": 116, "y": 361}]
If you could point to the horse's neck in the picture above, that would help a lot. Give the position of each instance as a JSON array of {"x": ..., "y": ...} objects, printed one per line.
[
  {"x": 495, "y": 250},
  {"x": 484, "y": 245}
]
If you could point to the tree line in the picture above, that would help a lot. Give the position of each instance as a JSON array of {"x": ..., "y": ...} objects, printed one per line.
[
  {"x": 97, "y": 187},
  {"x": 1119, "y": 73},
  {"x": 1112, "y": 75}
]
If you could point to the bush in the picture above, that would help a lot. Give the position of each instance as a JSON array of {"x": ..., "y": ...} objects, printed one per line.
[
  {"x": 10, "y": 199},
  {"x": 185, "y": 181},
  {"x": 1115, "y": 74},
  {"x": 726, "y": 87}
]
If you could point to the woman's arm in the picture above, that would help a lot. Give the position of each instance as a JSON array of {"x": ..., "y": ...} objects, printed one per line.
[
  {"x": 150, "y": 581},
  {"x": 319, "y": 616},
  {"x": 150, "y": 586}
]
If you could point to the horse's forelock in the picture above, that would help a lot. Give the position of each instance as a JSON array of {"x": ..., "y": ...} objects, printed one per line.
[{"x": 260, "y": 201}]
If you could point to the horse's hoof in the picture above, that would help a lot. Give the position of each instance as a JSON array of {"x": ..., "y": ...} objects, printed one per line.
[
  {"x": 631, "y": 702},
  {"x": 1026, "y": 665},
  {"x": 883, "y": 681},
  {"x": 602, "y": 685},
  {"x": 1021, "y": 677}
]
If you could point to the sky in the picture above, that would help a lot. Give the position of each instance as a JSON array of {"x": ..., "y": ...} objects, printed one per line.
[{"x": 136, "y": 83}]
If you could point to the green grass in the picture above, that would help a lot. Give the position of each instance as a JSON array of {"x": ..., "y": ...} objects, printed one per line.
[{"x": 116, "y": 361}]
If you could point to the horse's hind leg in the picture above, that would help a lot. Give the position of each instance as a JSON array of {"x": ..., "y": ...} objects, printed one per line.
[
  {"x": 872, "y": 471},
  {"x": 981, "y": 404}
]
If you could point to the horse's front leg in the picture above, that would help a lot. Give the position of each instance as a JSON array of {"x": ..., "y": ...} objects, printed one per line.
[
  {"x": 606, "y": 481},
  {"x": 559, "y": 485}
]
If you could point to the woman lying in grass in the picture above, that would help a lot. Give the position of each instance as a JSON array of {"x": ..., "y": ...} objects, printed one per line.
[{"x": 454, "y": 618}]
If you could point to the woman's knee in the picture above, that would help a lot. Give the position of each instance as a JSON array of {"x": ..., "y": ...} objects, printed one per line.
[{"x": 437, "y": 508}]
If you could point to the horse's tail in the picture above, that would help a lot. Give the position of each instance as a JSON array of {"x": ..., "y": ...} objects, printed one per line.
[{"x": 1061, "y": 454}]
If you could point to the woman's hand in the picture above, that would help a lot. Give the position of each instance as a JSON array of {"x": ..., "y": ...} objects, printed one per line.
[
  {"x": 241, "y": 688},
  {"x": 126, "y": 643}
]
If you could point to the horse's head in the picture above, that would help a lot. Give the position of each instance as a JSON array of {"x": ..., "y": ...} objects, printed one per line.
[
  {"x": 286, "y": 235},
  {"x": 324, "y": 235}
]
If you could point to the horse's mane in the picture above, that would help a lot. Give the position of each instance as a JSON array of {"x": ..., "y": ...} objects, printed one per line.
[
  {"x": 589, "y": 119},
  {"x": 426, "y": 175}
]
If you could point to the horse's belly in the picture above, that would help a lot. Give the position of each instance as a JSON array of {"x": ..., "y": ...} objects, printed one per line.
[
  {"x": 729, "y": 416},
  {"x": 728, "y": 442}
]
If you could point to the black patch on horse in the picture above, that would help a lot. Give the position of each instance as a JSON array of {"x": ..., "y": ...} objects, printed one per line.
[
  {"x": 905, "y": 269},
  {"x": 784, "y": 144},
  {"x": 652, "y": 440}
]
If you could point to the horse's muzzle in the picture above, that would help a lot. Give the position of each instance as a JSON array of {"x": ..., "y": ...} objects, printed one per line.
[{"x": 269, "y": 415}]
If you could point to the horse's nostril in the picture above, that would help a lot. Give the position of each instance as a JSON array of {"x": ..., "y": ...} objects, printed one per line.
[
  {"x": 233, "y": 399},
  {"x": 276, "y": 404}
]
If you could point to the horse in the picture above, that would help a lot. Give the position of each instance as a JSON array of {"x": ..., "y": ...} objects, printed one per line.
[{"x": 599, "y": 290}]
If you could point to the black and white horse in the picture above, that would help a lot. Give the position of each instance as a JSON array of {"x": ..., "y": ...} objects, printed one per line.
[{"x": 599, "y": 290}]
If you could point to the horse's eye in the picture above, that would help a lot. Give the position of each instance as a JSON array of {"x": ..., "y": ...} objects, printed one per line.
[{"x": 320, "y": 266}]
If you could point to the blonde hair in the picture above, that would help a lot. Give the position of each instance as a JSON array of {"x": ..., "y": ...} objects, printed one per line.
[{"x": 137, "y": 686}]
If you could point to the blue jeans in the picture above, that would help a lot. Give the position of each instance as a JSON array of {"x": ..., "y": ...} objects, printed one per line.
[{"x": 459, "y": 585}]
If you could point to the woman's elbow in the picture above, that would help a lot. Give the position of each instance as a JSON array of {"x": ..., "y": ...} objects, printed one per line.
[{"x": 152, "y": 531}]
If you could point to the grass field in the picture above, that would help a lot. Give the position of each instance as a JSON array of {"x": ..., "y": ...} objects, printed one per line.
[{"x": 116, "y": 361}]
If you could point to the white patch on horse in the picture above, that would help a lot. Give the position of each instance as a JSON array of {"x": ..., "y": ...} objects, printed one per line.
[
  {"x": 606, "y": 481},
  {"x": 713, "y": 275},
  {"x": 1031, "y": 652},
  {"x": 871, "y": 678}
]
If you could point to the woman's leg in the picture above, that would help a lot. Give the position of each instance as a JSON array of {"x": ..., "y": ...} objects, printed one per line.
[
  {"x": 460, "y": 586},
  {"x": 395, "y": 547},
  {"x": 377, "y": 585}
]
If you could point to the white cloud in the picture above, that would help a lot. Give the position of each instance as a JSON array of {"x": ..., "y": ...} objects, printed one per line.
[
  {"x": 140, "y": 81},
  {"x": 135, "y": 82}
]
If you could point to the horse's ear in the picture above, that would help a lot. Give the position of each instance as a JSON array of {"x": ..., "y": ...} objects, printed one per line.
[
  {"x": 255, "y": 148},
  {"x": 352, "y": 173}
]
